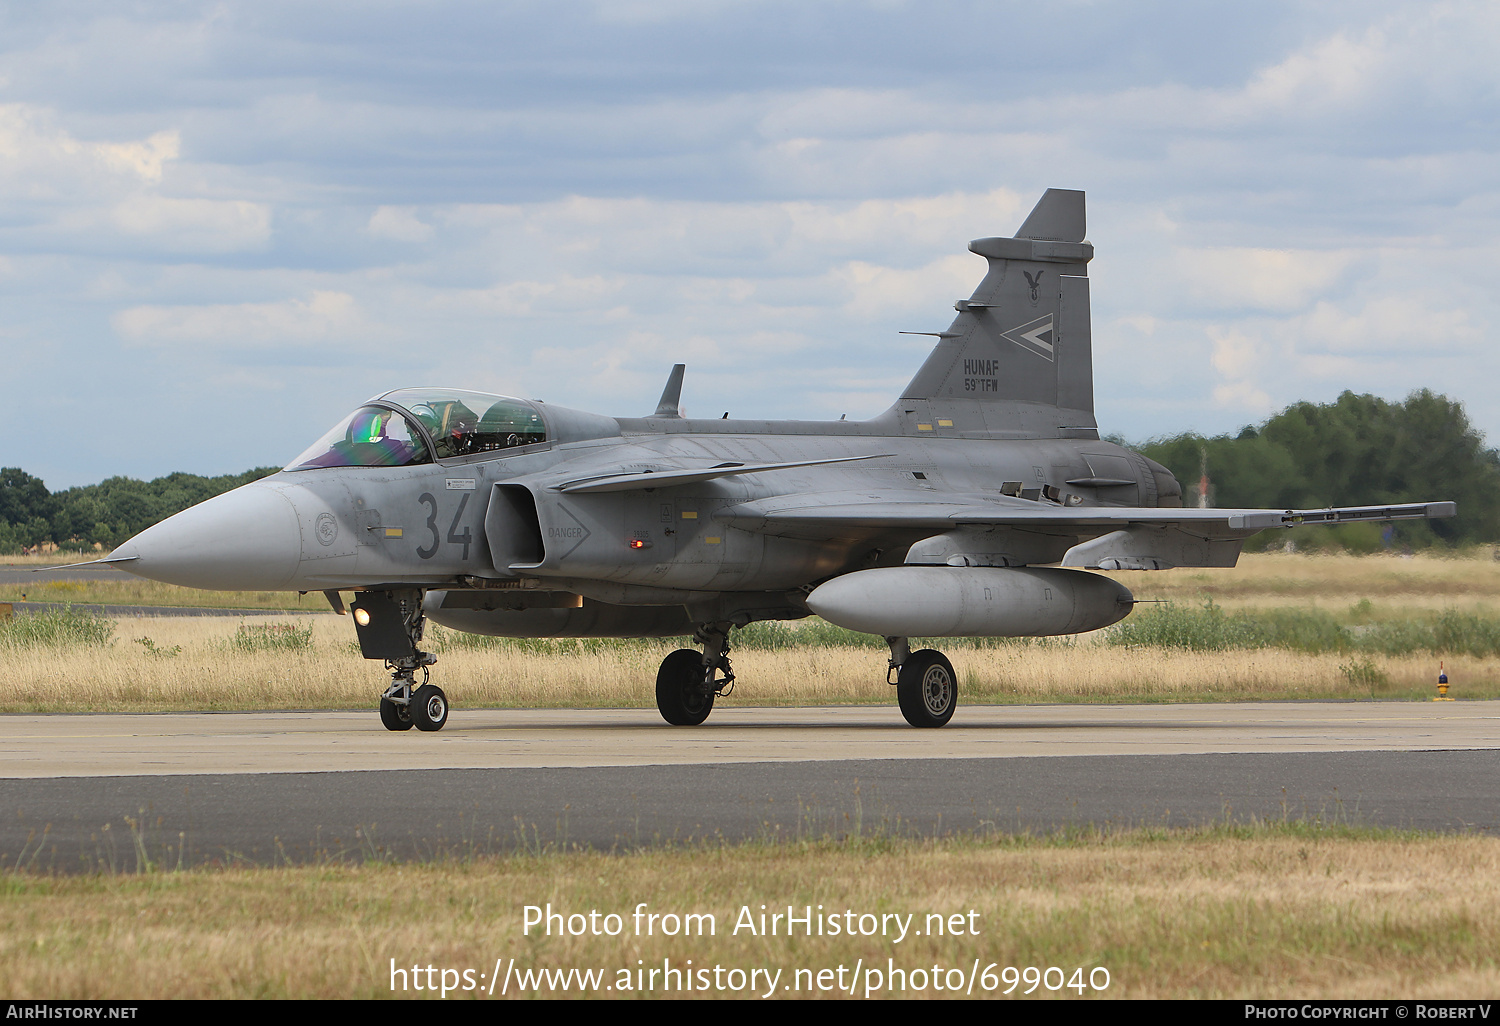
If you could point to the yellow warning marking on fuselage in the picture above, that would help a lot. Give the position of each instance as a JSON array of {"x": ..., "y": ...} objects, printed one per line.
[
  {"x": 393, "y": 532},
  {"x": 689, "y": 514},
  {"x": 945, "y": 423},
  {"x": 924, "y": 427},
  {"x": 713, "y": 541}
]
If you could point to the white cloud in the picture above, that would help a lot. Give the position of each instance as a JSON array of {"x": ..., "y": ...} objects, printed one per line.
[
  {"x": 1333, "y": 72},
  {"x": 103, "y": 191},
  {"x": 648, "y": 11},
  {"x": 1235, "y": 354},
  {"x": 925, "y": 221},
  {"x": 1413, "y": 324},
  {"x": 145, "y": 158},
  {"x": 1143, "y": 324},
  {"x": 1274, "y": 229},
  {"x": 874, "y": 291},
  {"x": 195, "y": 225},
  {"x": 1264, "y": 279},
  {"x": 41, "y": 160},
  {"x": 399, "y": 223},
  {"x": 739, "y": 238},
  {"x": 1391, "y": 344},
  {"x": 798, "y": 121},
  {"x": 1239, "y": 358},
  {"x": 323, "y": 316},
  {"x": 1242, "y": 397},
  {"x": 530, "y": 298}
]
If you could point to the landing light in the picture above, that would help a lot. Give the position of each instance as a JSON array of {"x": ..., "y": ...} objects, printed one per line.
[{"x": 362, "y": 617}]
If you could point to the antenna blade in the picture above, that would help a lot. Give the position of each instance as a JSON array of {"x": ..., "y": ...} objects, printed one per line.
[{"x": 671, "y": 396}]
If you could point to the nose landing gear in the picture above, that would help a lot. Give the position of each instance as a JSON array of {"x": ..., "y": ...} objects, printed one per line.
[{"x": 389, "y": 625}]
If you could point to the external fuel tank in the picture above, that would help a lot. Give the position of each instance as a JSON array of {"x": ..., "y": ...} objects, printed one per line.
[{"x": 944, "y": 601}]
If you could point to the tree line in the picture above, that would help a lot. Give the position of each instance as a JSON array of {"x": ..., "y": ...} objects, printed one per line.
[
  {"x": 1358, "y": 450},
  {"x": 104, "y": 514}
]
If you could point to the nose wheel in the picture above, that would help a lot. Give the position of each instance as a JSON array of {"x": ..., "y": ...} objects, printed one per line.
[
  {"x": 395, "y": 717},
  {"x": 429, "y": 708}
]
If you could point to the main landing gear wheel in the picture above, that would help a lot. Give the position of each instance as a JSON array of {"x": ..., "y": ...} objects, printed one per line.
[
  {"x": 927, "y": 689},
  {"x": 682, "y": 693},
  {"x": 429, "y": 707},
  {"x": 395, "y": 717}
]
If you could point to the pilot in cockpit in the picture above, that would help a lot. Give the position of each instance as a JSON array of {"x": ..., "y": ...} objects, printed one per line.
[{"x": 452, "y": 426}]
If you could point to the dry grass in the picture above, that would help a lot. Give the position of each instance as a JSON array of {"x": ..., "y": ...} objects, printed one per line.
[
  {"x": 1288, "y": 910},
  {"x": 1329, "y": 581},
  {"x": 1292, "y": 912},
  {"x": 1394, "y": 584},
  {"x": 55, "y": 558},
  {"x": 192, "y": 664}
]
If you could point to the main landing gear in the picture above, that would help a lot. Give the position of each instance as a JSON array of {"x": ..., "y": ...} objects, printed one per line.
[
  {"x": 689, "y": 681},
  {"x": 926, "y": 686}
]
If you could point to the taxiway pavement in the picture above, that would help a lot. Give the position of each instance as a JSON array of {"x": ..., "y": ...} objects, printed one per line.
[
  {"x": 304, "y": 785},
  {"x": 14, "y": 582}
]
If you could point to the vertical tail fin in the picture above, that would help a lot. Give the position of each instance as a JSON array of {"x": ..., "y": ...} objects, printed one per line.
[{"x": 1018, "y": 359}]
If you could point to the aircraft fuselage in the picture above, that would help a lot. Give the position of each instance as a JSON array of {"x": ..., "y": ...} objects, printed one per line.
[{"x": 469, "y": 522}]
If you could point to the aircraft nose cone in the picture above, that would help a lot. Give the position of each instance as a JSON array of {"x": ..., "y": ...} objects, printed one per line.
[{"x": 244, "y": 540}]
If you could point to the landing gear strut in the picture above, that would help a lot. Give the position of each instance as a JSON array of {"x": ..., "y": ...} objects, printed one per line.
[
  {"x": 405, "y": 704},
  {"x": 926, "y": 686},
  {"x": 688, "y": 682},
  {"x": 390, "y": 625}
]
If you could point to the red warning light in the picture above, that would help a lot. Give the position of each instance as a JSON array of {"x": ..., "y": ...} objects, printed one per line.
[{"x": 637, "y": 543}]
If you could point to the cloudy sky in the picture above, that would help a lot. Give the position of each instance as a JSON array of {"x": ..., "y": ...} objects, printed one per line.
[{"x": 223, "y": 225}]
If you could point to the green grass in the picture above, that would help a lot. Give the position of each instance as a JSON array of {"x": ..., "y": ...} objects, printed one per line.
[
  {"x": 1208, "y": 628},
  {"x": 57, "y": 628},
  {"x": 765, "y": 636},
  {"x": 272, "y": 637},
  {"x": 1205, "y": 628}
]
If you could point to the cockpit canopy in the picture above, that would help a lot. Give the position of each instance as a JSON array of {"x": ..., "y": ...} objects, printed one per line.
[{"x": 417, "y": 425}]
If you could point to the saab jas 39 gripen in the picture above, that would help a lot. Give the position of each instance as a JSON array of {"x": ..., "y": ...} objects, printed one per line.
[{"x": 974, "y": 506}]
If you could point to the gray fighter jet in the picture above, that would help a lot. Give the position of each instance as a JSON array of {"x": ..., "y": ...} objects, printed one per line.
[{"x": 974, "y": 506}]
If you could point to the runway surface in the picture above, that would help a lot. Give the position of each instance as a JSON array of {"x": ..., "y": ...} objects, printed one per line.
[
  {"x": 42, "y": 607},
  {"x": 268, "y": 786},
  {"x": 11, "y": 574},
  {"x": 282, "y": 742},
  {"x": 161, "y": 611},
  {"x": 15, "y": 580}
]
